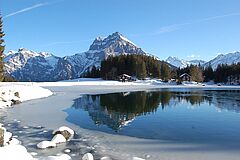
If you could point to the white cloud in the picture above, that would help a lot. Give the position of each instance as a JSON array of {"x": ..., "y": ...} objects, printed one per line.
[
  {"x": 178, "y": 26},
  {"x": 26, "y": 9},
  {"x": 193, "y": 56},
  {"x": 171, "y": 28},
  {"x": 31, "y": 8}
]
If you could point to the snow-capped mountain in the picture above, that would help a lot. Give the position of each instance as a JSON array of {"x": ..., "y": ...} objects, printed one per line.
[
  {"x": 114, "y": 45},
  {"x": 229, "y": 59},
  {"x": 183, "y": 63},
  {"x": 25, "y": 65}
]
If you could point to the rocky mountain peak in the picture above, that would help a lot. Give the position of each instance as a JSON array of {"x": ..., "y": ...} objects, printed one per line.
[{"x": 115, "y": 40}]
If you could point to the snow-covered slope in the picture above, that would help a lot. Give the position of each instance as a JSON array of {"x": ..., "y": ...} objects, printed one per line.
[
  {"x": 183, "y": 63},
  {"x": 27, "y": 65},
  {"x": 229, "y": 59},
  {"x": 15, "y": 60}
]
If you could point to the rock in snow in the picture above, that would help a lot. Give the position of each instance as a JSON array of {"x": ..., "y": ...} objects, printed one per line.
[
  {"x": 105, "y": 158},
  {"x": 67, "y": 150},
  {"x": 58, "y": 138},
  {"x": 58, "y": 157},
  {"x": 46, "y": 144},
  {"x": 67, "y": 132},
  {"x": 87, "y": 156},
  {"x": 61, "y": 135},
  {"x": 137, "y": 158}
]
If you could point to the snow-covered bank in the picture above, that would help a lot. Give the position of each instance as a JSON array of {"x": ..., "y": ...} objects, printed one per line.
[
  {"x": 149, "y": 83},
  {"x": 12, "y": 93},
  {"x": 11, "y": 148}
]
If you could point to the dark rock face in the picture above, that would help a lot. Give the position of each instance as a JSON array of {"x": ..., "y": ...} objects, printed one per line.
[{"x": 15, "y": 102}]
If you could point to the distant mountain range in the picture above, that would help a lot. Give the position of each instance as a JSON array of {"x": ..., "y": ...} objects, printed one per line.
[
  {"x": 229, "y": 58},
  {"x": 26, "y": 65},
  {"x": 183, "y": 63}
]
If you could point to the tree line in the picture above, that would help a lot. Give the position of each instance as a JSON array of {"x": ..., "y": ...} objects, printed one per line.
[
  {"x": 139, "y": 66},
  {"x": 142, "y": 66},
  {"x": 222, "y": 74},
  {"x": 225, "y": 73}
]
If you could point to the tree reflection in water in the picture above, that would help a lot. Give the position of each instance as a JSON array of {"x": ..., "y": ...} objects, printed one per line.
[{"x": 119, "y": 109}]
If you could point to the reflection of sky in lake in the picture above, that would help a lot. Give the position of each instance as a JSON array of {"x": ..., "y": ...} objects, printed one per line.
[{"x": 189, "y": 116}]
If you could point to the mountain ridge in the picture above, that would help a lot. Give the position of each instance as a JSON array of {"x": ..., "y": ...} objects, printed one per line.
[
  {"x": 229, "y": 58},
  {"x": 181, "y": 63},
  {"x": 27, "y": 65}
]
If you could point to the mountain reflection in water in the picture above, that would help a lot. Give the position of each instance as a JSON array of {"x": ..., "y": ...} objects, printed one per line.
[{"x": 119, "y": 109}]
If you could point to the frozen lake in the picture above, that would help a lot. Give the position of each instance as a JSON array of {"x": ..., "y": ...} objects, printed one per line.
[
  {"x": 188, "y": 116},
  {"x": 177, "y": 123}
]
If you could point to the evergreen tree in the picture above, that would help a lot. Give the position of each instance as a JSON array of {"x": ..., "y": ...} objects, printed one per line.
[
  {"x": 141, "y": 70},
  {"x": 208, "y": 73},
  {"x": 196, "y": 73},
  {"x": 1, "y": 49},
  {"x": 165, "y": 72}
]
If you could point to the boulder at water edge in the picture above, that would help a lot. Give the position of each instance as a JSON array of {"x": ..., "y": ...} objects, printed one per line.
[
  {"x": 59, "y": 157},
  {"x": 87, "y": 156},
  {"x": 58, "y": 138},
  {"x": 137, "y": 158},
  {"x": 65, "y": 131},
  {"x": 106, "y": 158},
  {"x": 1, "y": 136},
  {"x": 46, "y": 144}
]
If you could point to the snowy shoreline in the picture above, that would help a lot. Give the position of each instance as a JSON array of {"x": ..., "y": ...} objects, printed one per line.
[
  {"x": 152, "y": 83},
  {"x": 11, "y": 93}
]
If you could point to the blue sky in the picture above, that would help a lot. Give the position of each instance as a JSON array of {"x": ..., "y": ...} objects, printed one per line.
[{"x": 189, "y": 29}]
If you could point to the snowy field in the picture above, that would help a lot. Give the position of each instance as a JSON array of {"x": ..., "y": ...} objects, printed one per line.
[{"x": 48, "y": 112}]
